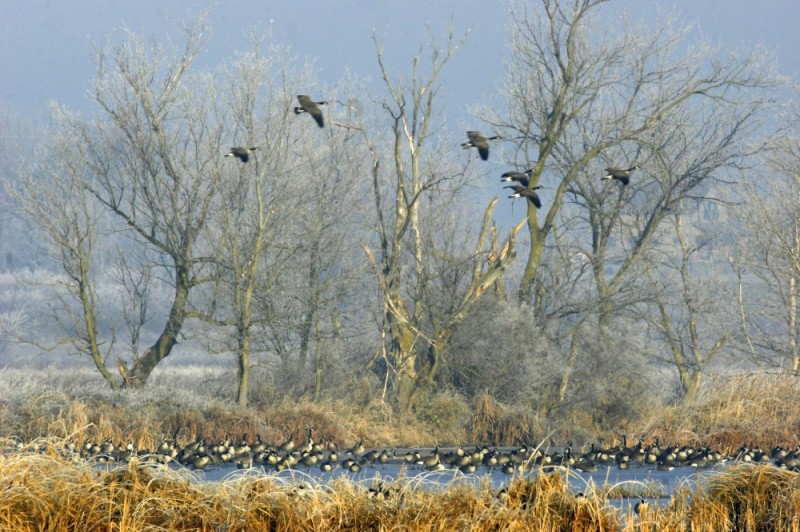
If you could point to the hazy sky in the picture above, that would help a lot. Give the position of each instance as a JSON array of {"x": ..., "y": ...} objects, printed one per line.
[{"x": 45, "y": 51}]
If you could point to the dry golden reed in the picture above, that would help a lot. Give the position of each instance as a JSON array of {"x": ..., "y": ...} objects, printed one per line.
[
  {"x": 47, "y": 492},
  {"x": 41, "y": 491},
  {"x": 492, "y": 422},
  {"x": 759, "y": 410}
]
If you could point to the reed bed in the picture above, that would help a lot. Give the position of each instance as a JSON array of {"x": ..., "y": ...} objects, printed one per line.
[
  {"x": 744, "y": 497},
  {"x": 41, "y": 491},
  {"x": 755, "y": 410},
  {"x": 758, "y": 410},
  {"x": 47, "y": 492}
]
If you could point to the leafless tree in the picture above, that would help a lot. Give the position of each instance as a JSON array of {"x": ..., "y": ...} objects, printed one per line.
[
  {"x": 413, "y": 195},
  {"x": 68, "y": 223},
  {"x": 581, "y": 100},
  {"x": 282, "y": 229},
  {"x": 150, "y": 161},
  {"x": 689, "y": 305},
  {"x": 768, "y": 257},
  {"x": 580, "y": 95}
]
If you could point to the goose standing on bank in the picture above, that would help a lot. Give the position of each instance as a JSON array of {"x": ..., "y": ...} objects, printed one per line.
[
  {"x": 242, "y": 153},
  {"x": 307, "y": 105},
  {"x": 620, "y": 174},
  {"x": 476, "y": 140},
  {"x": 530, "y": 193}
]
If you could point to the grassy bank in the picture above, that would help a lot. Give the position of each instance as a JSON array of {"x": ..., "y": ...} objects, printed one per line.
[{"x": 756, "y": 410}]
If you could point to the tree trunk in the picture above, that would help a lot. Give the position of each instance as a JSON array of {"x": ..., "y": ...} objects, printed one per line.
[
  {"x": 538, "y": 238},
  {"x": 136, "y": 376},
  {"x": 90, "y": 320},
  {"x": 569, "y": 366},
  {"x": 793, "y": 274},
  {"x": 244, "y": 368},
  {"x": 690, "y": 383}
]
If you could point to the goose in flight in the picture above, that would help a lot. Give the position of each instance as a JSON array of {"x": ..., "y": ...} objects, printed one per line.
[
  {"x": 476, "y": 140},
  {"x": 307, "y": 105},
  {"x": 623, "y": 175},
  {"x": 242, "y": 153},
  {"x": 530, "y": 193}
]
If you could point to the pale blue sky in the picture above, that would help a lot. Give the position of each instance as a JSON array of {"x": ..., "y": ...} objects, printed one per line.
[{"x": 45, "y": 44}]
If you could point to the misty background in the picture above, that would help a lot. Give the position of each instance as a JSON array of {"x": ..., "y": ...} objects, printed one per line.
[{"x": 705, "y": 294}]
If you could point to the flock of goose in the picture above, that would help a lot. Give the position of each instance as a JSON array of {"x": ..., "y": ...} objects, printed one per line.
[
  {"x": 521, "y": 180},
  {"x": 325, "y": 455}
]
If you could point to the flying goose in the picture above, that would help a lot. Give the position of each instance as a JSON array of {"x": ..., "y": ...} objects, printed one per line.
[
  {"x": 242, "y": 153},
  {"x": 621, "y": 175},
  {"x": 520, "y": 177},
  {"x": 476, "y": 140},
  {"x": 530, "y": 193},
  {"x": 307, "y": 105}
]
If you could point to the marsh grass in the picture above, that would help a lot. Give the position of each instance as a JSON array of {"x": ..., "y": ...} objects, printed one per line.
[
  {"x": 757, "y": 410},
  {"x": 748, "y": 498},
  {"x": 647, "y": 489},
  {"x": 46, "y": 492},
  {"x": 44, "y": 403},
  {"x": 501, "y": 425}
]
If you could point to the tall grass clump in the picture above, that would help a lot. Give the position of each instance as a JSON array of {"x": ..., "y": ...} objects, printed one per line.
[
  {"x": 744, "y": 497},
  {"x": 495, "y": 423},
  {"x": 756, "y": 410}
]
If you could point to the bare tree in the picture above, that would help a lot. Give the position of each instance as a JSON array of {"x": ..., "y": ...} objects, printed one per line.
[
  {"x": 151, "y": 162},
  {"x": 689, "y": 297},
  {"x": 578, "y": 92},
  {"x": 254, "y": 108},
  {"x": 582, "y": 101},
  {"x": 69, "y": 224},
  {"x": 412, "y": 196},
  {"x": 281, "y": 230},
  {"x": 768, "y": 262}
]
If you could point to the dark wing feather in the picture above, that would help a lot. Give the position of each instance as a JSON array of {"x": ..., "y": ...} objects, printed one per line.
[{"x": 316, "y": 112}]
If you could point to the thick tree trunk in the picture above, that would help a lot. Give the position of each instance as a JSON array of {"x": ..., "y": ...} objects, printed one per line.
[
  {"x": 136, "y": 376},
  {"x": 690, "y": 383},
  {"x": 243, "y": 368}
]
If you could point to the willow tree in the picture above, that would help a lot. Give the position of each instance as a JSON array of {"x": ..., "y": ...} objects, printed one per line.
[
  {"x": 150, "y": 163},
  {"x": 581, "y": 97}
]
